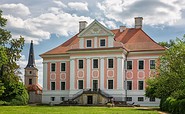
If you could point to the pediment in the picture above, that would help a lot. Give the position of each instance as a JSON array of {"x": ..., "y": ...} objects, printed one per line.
[{"x": 95, "y": 29}]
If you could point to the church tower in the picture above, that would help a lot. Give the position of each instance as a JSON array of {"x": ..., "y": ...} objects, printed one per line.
[
  {"x": 31, "y": 79},
  {"x": 31, "y": 72}
]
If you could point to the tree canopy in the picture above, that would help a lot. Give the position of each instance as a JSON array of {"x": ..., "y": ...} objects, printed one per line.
[
  {"x": 12, "y": 89},
  {"x": 170, "y": 79}
]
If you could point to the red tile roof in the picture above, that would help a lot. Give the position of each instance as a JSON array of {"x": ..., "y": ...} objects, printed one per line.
[
  {"x": 133, "y": 40},
  {"x": 34, "y": 87}
]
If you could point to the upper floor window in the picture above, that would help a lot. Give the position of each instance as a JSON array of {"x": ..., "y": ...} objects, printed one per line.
[
  {"x": 63, "y": 66},
  {"x": 141, "y": 85},
  {"x": 53, "y": 67},
  {"x": 80, "y": 84},
  {"x": 141, "y": 64},
  {"x": 102, "y": 42},
  {"x": 110, "y": 63},
  {"x": 30, "y": 72},
  {"x": 80, "y": 64},
  {"x": 129, "y": 65},
  {"x": 110, "y": 84},
  {"x": 129, "y": 85},
  {"x": 89, "y": 43},
  {"x": 152, "y": 64},
  {"x": 95, "y": 63},
  {"x": 52, "y": 85}
]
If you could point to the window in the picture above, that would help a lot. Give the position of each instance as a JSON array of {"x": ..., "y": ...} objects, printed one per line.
[
  {"x": 53, "y": 67},
  {"x": 110, "y": 84},
  {"x": 140, "y": 99},
  {"x": 30, "y": 72},
  {"x": 95, "y": 63},
  {"x": 110, "y": 63},
  {"x": 52, "y": 85},
  {"x": 52, "y": 98},
  {"x": 102, "y": 42},
  {"x": 30, "y": 81},
  {"x": 129, "y": 85},
  {"x": 152, "y": 64},
  {"x": 141, "y": 64},
  {"x": 129, "y": 99},
  {"x": 63, "y": 86},
  {"x": 88, "y": 43},
  {"x": 152, "y": 99},
  {"x": 80, "y": 84},
  {"x": 129, "y": 65},
  {"x": 80, "y": 64},
  {"x": 63, "y": 66},
  {"x": 140, "y": 85},
  {"x": 62, "y": 98}
]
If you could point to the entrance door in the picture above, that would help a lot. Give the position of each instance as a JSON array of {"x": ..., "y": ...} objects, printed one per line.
[
  {"x": 89, "y": 99},
  {"x": 95, "y": 85}
]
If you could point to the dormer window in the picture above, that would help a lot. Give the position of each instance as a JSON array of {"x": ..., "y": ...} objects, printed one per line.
[
  {"x": 102, "y": 42},
  {"x": 89, "y": 43}
]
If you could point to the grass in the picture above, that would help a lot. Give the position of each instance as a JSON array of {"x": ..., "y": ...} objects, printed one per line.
[{"x": 72, "y": 110}]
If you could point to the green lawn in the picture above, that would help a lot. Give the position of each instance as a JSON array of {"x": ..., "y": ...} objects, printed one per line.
[{"x": 72, "y": 110}]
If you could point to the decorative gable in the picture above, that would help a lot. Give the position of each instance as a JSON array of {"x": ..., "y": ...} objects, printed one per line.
[{"x": 95, "y": 29}]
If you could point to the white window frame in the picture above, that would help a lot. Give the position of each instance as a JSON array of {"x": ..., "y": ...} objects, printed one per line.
[
  {"x": 78, "y": 64},
  {"x": 108, "y": 63},
  {"x": 51, "y": 86},
  {"x": 132, "y": 64},
  {"x": 78, "y": 84},
  {"x": 98, "y": 82},
  {"x": 61, "y": 67},
  {"x": 93, "y": 63},
  {"x": 51, "y": 66},
  {"x": 143, "y": 64},
  {"x": 91, "y": 43},
  {"x": 149, "y": 64},
  {"x": 132, "y": 85},
  {"x": 108, "y": 84},
  {"x": 138, "y": 99},
  {"x": 61, "y": 85},
  {"x": 100, "y": 42},
  {"x": 143, "y": 85}
]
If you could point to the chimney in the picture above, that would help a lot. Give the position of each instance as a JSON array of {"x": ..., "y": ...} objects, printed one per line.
[
  {"x": 138, "y": 22},
  {"x": 82, "y": 25},
  {"x": 122, "y": 28}
]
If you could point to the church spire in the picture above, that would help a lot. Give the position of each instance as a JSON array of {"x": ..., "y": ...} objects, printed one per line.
[{"x": 31, "y": 60}]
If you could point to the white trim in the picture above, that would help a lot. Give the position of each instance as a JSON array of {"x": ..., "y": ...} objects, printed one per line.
[
  {"x": 108, "y": 63},
  {"x": 110, "y": 41},
  {"x": 99, "y": 56},
  {"x": 45, "y": 73},
  {"x": 108, "y": 84},
  {"x": 143, "y": 74},
  {"x": 102, "y": 73},
  {"x": 61, "y": 66},
  {"x": 81, "y": 42},
  {"x": 127, "y": 75},
  {"x": 93, "y": 73},
  {"x": 78, "y": 64},
  {"x": 98, "y": 83},
  {"x": 93, "y": 63},
  {"x": 82, "y": 73},
  {"x": 86, "y": 43},
  {"x": 55, "y": 86},
  {"x": 138, "y": 64},
  {"x": 72, "y": 74},
  {"x": 149, "y": 64},
  {"x": 108, "y": 73},
  {"x": 132, "y": 65},
  {"x": 95, "y": 42},
  {"x": 100, "y": 42},
  {"x": 143, "y": 57},
  {"x": 120, "y": 69},
  {"x": 65, "y": 60},
  {"x": 138, "y": 85},
  {"x": 52, "y": 73},
  {"x": 78, "y": 84},
  {"x": 119, "y": 49},
  {"x": 61, "y": 76},
  {"x": 60, "y": 85},
  {"x": 88, "y": 73}
]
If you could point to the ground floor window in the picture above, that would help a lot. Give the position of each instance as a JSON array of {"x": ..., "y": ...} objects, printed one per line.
[
  {"x": 129, "y": 99},
  {"x": 52, "y": 98},
  {"x": 152, "y": 99},
  {"x": 62, "y": 98},
  {"x": 140, "y": 99}
]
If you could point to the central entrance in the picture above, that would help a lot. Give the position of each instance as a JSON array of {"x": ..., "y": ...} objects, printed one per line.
[
  {"x": 95, "y": 85},
  {"x": 89, "y": 99}
]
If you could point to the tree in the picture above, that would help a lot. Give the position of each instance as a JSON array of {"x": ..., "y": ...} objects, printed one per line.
[
  {"x": 13, "y": 90},
  {"x": 170, "y": 80},
  {"x": 167, "y": 44}
]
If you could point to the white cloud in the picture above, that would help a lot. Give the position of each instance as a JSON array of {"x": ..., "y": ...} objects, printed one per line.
[
  {"x": 153, "y": 12},
  {"x": 23, "y": 62},
  {"x": 60, "y": 3},
  {"x": 18, "y": 10},
  {"x": 78, "y": 5}
]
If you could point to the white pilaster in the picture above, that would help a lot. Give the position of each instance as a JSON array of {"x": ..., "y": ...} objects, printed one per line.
[
  {"x": 88, "y": 73},
  {"x": 110, "y": 41},
  {"x": 72, "y": 74},
  {"x": 81, "y": 42},
  {"x": 120, "y": 65},
  {"x": 95, "y": 42},
  {"x": 102, "y": 73},
  {"x": 45, "y": 76}
]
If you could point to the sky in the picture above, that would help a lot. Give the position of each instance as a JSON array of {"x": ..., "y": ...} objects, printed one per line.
[{"x": 49, "y": 23}]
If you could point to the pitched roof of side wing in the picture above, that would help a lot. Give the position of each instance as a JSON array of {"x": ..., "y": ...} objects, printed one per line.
[{"x": 133, "y": 40}]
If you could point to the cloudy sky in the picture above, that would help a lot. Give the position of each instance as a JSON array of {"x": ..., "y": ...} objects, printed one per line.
[{"x": 51, "y": 22}]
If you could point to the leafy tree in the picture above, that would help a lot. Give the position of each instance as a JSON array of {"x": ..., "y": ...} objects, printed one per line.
[
  {"x": 170, "y": 80},
  {"x": 10, "y": 49},
  {"x": 167, "y": 44}
]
